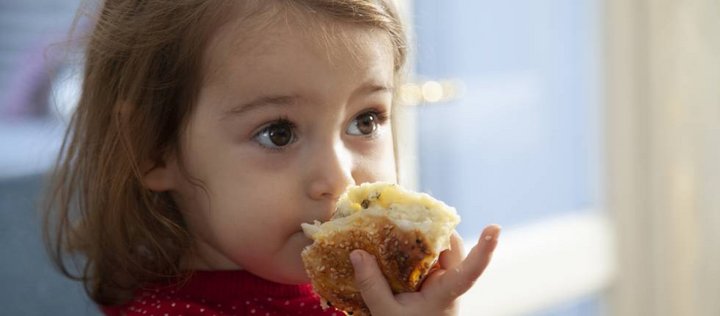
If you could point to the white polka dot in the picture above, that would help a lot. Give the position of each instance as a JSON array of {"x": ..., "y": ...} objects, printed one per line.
[
  {"x": 252, "y": 311},
  {"x": 187, "y": 305},
  {"x": 247, "y": 302},
  {"x": 302, "y": 304},
  {"x": 269, "y": 299},
  {"x": 173, "y": 304},
  {"x": 287, "y": 302},
  {"x": 202, "y": 310}
]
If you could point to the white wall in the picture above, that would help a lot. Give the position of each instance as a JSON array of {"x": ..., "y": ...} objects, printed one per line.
[{"x": 663, "y": 133}]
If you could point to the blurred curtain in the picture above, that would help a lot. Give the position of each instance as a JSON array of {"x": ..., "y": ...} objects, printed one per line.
[{"x": 663, "y": 154}]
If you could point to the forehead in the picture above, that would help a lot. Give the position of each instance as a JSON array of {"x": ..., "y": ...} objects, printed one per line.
[{"x": 282, "y": 36}]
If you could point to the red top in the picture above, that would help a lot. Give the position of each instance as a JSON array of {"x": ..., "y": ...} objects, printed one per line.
[{"x": 223, "y": 293}]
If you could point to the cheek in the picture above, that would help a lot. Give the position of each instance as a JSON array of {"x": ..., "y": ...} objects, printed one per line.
[
  {"x": 377, "y": 163},
  {"x": 243, "y": 205},
  {"x": 236, "y": 220},
  {"x": 387, "y": 167},
  {"x": 234, "y": 198}
]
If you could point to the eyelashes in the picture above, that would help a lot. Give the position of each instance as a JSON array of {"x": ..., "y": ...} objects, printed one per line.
[
  {"x": 277, "y": 134},
  {"x": 366, "y": 124},
  {"x": 281, "y": 133}
]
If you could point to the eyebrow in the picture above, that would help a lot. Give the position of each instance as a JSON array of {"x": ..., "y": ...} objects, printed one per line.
[
  {"x": 370, "y": 88},
  {"x": 263, "y": 101},
  {"x": 287, "y": 100}
]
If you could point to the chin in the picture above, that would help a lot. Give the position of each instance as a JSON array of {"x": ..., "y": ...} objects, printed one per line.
[
  {"x": 301, "y": 278},
  {"x": 296, "y": 273},
  {"x": 291, "y": 275},
  {"x": 286, "y": 267}
]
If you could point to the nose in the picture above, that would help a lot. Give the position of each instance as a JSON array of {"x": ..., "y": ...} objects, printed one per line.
[{"x": 330, "y": 172}]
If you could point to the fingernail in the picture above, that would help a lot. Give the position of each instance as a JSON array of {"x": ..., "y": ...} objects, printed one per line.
[
  {"x": 488, "y": 235},
  {"x": 495, "y": 234},
  {"x": 356, "y": 258}
]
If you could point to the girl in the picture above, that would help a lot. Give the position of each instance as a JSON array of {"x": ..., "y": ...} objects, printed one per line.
[{"x": 208, "y": 131}]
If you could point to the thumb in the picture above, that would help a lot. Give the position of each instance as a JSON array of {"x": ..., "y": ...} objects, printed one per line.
[{"x": 372, "y": 284}]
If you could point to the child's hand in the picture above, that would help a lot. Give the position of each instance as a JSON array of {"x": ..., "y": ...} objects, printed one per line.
[{"x": 439, "y": 292}]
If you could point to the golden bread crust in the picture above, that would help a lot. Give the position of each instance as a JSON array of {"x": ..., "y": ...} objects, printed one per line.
[{"x": 405, "y": 258}]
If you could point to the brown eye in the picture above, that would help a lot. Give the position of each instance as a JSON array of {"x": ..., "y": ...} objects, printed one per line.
[
  {"x": 364, "y": 124},
  {"x": 276, "y": 135}
]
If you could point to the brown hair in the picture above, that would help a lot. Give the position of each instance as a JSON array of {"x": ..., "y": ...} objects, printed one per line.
[{"x": 142, "y": 71}]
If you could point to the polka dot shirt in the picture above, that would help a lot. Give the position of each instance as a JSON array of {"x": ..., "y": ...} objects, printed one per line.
[{"x": 218, "y": 293}]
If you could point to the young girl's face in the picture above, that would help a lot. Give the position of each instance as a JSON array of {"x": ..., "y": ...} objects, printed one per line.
[{"x": 286, "y": 119}]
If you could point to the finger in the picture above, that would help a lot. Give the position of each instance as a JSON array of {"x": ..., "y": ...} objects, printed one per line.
[
  {"x": 449, "y": 259},
  {"x": 456, "y": 281},
  {"x": 452, "y": 257},
  {"x": 372, "y": 284}
]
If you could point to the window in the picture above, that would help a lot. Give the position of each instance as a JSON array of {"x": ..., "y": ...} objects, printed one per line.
[{"x": 518, "y": 144}]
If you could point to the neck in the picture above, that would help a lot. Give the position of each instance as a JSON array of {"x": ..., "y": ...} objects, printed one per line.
[{"x": 203, "y": 256}]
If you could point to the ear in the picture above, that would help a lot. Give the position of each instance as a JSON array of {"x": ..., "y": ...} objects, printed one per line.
[{"x": 160, "y": 175}]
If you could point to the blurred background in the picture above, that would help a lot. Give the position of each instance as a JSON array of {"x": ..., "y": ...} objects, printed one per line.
[{"x": 589, "y": 129}]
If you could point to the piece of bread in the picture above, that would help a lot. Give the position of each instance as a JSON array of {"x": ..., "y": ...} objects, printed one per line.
[{"x": 404, "y": 230}]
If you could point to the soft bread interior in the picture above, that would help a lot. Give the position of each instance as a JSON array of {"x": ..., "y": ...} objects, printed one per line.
[
  {"x": 406, "y": 209},
  {"x": 405, "y": 232}
]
